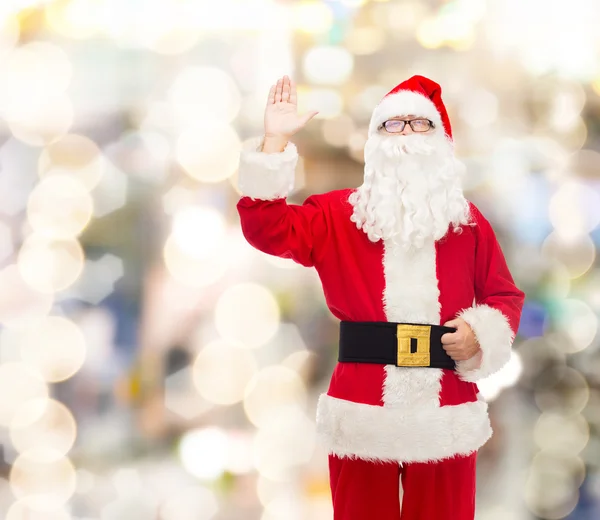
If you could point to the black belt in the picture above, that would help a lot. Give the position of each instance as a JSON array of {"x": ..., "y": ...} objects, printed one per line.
[{"x": 388, "y": 343}]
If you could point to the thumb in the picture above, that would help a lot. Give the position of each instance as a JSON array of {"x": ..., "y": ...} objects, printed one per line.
[{"x": 307, "y": 117}]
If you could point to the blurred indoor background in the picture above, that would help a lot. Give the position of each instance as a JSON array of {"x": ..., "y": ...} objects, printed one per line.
[{"x": 153, "y": 366}]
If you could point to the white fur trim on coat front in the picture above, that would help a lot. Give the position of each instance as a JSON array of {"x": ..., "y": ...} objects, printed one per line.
[
  {"x": 404, "y": 103},
  {"x": 495, "y": 337},
  {"x": 401, "y": 434},
  {"x": 266, "y": 176}
]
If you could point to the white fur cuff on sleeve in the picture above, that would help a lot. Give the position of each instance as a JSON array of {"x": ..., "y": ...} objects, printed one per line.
[
  {"x": 495, "y": 337},
  {"x": 266, "y": 176}
]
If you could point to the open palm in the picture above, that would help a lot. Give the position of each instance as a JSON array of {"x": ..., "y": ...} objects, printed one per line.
[{"x": 281, "y": 113}]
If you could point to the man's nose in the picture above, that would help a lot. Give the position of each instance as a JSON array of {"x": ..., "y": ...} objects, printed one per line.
[{"x": 407, "y": 130}]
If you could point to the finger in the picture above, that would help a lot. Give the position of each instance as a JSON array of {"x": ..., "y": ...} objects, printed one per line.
[
  {"x": 293, "y": 93},
  {"x": 450, "y": 338},
  {"x": 285, "y": 95},
  {"x": 307, "y": 117},
  {"x": 278, "y": 90},
  {"x": 271, "y": 98},
  {"x": 452, "y": 323}
]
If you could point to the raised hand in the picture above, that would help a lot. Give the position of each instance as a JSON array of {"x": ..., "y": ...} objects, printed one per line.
[{"x": 281, "y": 115}]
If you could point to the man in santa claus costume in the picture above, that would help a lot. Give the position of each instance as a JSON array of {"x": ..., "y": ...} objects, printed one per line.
[{"x": 426, "y": 303}]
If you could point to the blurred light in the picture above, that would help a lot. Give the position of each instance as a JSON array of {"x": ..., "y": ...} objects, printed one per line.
[
  {"x": 565, "y": 391},
  {"x": 204, "y": 93},
  {"x": 22, "y": 511},
  {"x": 247, "y": 315},
  {"x": 284, "y": 440},
  {"x": 55, "y": 347},
  {"x": 182, "y": 398},
  {"x": 363, "y": 104},
  {"x": 356, "y": 144},
  {"x": 327, "y": 102},
  {"x": 19, "y": 384},
  {"x": 51, "y": 121},
  {"x": 401, "y": 18},
  {"x": 596, "y": 86},
  {"x": 55, "y": 429},
  {"x": 575, "y": 209},
  {"x": 59, "y": 207},
  {"x": 9, "y": 32},
  {"x": 50, "y": 265},
  {"x": 222, "y": 372},
  {"x": 479, "y": 108},
  {"x": 203, "y": 452},
  {"x": 98, "y": 280},
  {"x": 111, "y": 192},
  {"x": 190, "y": 503},
  {"x": 365, "y": 40},
  {"x": 75, "y": 18},
  {"x": 74, "y": 155},
  {"x": 578, "y": 321},
  {"x": 562, "y": 434},
  {"x": 193, "y": 271},
  {"x": 551, "y": 489},
  {"x": 239, "y": 453},
  {"x": 284, "y": 507},
  {"x": 574, "y": 251},
  {"x": 269, "y": 489},
  {"x": 507, "y": 376},
  {"x": 34, "y": 74},
  {"x": 328, "y": 65},
  {"x": 311, "y": 17},
  {"x": 20, "y": 304},
  {"x": 281, "y": 263},
  {"x": 6, "y": 242},
  {"x": 270, "y": 391},
  {"x": 209, "y": 152},
  {"x": 43, "y": 486},
  {"x": 353, "y": 3},
  {"x": 198, "y": 230}
]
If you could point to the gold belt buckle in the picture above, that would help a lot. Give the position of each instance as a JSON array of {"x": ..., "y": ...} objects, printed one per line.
[{"x": 421, "y": 334}]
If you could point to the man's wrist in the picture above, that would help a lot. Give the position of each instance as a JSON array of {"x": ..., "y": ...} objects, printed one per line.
[{"x": 274, "y": 143}]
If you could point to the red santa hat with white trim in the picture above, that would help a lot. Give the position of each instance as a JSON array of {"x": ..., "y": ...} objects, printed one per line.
[{"x": 418, "y": 96}]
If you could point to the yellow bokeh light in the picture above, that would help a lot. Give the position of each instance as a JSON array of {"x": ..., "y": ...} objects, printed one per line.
[
  {"x": 74, "y": 155},
  {"x": 18, "y": 385},
  {"x": 270, "y": 391},
  {"x": 209, "y": 152},
  {"x": 247, "y": 315},
  {"x": 43, "y": 486},
  {"x": 579, "y": 322},
  {"x": 575, "y": 252},
  {"x": 203, "y": 452},
  {"x": 326, "y": 101},
  {"x": 59, "y": 207},
  {"x": 20, "y": 304},
  {"x": 312, "y": 17},
  {"x": 562, "y": 434},
  {"x": 9, "y": 32},
  {"x": 56, "y": 347},
  {"x": 429, "y": 34},
  {"x": 54, "y": 429},
  {"x": 365, "y": 40},
  {"x": 221, "y": 372},
  {"x": 75, "y": 18},
  {"x": 48, "y": 265},
  {"x": 204, "y": 93}
]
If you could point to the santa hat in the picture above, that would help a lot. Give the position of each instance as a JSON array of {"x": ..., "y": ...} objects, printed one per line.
[{"x": 418, "y": 96}]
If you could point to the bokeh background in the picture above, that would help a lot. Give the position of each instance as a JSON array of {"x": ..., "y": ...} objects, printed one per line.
[{"x": 152, "y": 364}]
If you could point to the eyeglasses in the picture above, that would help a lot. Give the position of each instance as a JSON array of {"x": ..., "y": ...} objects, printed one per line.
[{"x": 395, "y": 126}]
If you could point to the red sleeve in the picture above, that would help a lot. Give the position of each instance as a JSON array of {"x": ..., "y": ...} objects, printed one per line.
[
  {"x": 268, "y": 222},
  {"x": 285, "y": 230},
  {"x": 496, "y": 313}
]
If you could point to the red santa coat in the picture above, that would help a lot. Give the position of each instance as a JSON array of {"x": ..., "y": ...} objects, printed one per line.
[{"x": 384, "y": 412}]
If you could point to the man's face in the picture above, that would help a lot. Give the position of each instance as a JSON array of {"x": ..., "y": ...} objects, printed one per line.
[{"x": 406, "y": 125}]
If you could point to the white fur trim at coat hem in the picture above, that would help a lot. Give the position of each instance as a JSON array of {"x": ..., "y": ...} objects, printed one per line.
[
  {"x": 266, "y": 176},
  {"x": 404, "y": 103},
  {"x": 495, "y": 337},
  {"x": 404, "y": 434}
]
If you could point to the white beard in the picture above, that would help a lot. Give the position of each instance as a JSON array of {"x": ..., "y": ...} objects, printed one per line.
[{"x": 411, "y": 191}]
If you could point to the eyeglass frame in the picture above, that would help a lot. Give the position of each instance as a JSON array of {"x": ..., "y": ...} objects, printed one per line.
[{"x": 409, "y": 121}]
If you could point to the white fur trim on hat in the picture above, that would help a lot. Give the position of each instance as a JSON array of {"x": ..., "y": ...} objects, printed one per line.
[
  {"x": 266, "y": 176},
  {"x": 401, "y": 434},
  {"x": 495, "y": 337},
  {"x": 404, "y": 103}
]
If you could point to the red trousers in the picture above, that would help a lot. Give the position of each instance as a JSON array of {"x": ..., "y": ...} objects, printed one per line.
[{"x": 364, "y": 490}]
